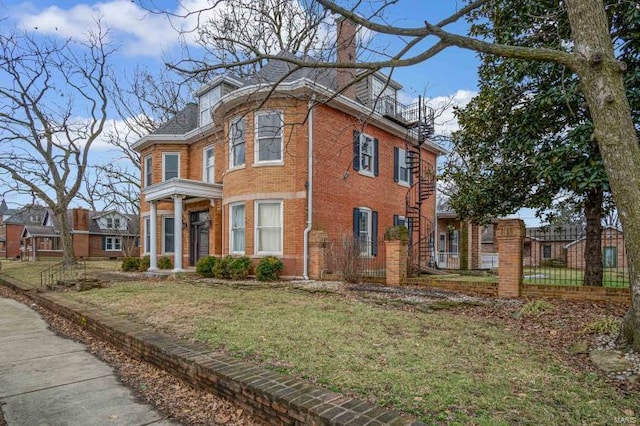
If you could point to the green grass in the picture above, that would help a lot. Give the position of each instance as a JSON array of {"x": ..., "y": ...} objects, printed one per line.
[
  {"x": 441, "y": 367},
  {"x": 612, "y": 278}
]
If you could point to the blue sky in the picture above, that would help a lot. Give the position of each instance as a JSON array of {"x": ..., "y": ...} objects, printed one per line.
[{"x": 144, "y": 38}]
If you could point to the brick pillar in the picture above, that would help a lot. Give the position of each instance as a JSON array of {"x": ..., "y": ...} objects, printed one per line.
[
  {"x": 317, "y": 249},
  {"x": 396, "y": 258},
  {"x": 510, "y": 237}
]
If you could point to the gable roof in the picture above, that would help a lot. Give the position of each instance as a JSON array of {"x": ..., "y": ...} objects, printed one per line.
[
  {"x": 133, "y": 224},
  {"x": 39, "y": 231},
  {"x": 25, "y": 215},
  {"x": 560, "y": 233}
]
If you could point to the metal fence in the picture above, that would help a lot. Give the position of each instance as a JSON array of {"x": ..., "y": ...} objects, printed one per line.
[
  {"x": 562, "y": 255},
  {"x": 355, "y": 259}
]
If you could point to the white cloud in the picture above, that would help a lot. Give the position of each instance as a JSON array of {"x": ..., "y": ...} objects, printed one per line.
[
  {"x": 139, "y": 32},
  {"x": 445, "y": 121}
]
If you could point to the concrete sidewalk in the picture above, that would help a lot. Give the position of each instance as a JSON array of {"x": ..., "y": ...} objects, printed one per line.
[{"x": 48, "y": 380}]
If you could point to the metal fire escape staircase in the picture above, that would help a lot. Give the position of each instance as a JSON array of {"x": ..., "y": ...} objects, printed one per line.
[{"x": 418, "y": 119}]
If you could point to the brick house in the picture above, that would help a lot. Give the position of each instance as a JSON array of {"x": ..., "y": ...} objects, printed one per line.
[
  {"x": 33, "y": 233},
  {"x": 613, "y": 252},
  {"x": 248, "y": 170}
]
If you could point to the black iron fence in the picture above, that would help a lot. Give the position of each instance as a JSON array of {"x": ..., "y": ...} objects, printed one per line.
[
  {"x": 52, "y": 276},
  {"x": 355, "y": 259},
  {"x": 565, "y": 255}
]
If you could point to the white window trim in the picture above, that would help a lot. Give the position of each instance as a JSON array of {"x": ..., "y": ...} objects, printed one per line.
[
  {"x": 402, "y": 153},
  {"x": 144, "y": 178},
  {"x": 113, "y": 241},
  {"x": 255, "y": 228},
  {"x": 207, "y": 96},
  {"x": 256, "y": 150},
  {"x": 231, "y": 165},
  {"x": 231, "y": 206},
  {"x": 164, "y": 234},
  {"x": 361, "y": 170},
  {"x": 204, "y": 164},
  {"x": 404, "y": 221},
  {"x": 146, "y": 226},
  {"x": 164, "y": 154},
  {"x": 369, "y": 241}
]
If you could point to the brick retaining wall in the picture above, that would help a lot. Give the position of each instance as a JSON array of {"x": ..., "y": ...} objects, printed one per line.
[{"x": 272, "y": 397}]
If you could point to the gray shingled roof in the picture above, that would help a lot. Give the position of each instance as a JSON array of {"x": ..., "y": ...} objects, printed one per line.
[
  {"x": 40, "y": 231},
  {"x": 275, "y": 70},
  {"x": 132, "y": 226},
  {"x": 183, "y": 122},
  {"x": 25, "y": 215}
]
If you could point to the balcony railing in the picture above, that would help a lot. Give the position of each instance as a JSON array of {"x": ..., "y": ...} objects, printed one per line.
[{"x": 416, "y": 116}]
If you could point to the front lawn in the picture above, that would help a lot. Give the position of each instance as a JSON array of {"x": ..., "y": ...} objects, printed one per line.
[
  {"x": 613, "y": 278},
  {"x": 444, "y": 367}
]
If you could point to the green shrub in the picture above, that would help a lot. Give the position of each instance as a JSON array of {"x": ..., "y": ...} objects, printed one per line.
[
  {"x": 536, "y": 308},
  {"x": 205, "y": 266},
  {"x": 269, "y": 269},
  {"x": 130, "y": 264},
  {"x": 604, "y": 325},
  {"x": 239, "y": 267},
  {"x": 164, "y": 263},
  {"x": 399, "y": 232},
  {"x": 221, "y": 268},
  {"x": 145, "y": 263}
]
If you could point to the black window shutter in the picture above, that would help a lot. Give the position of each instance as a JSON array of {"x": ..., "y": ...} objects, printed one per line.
[
  {"x": 396, "y": 164},
  {"x": 356, "y": 150},
  {"x": 375, "y": 157},
  {"x": 396, "y": 220},
  {"x": 356, "y": 223},
  {"x": 104, "y": 243},
  {"x": 374, "y": 233}
]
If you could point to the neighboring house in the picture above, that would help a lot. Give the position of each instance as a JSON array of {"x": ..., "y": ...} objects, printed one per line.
[
  {"x": 547, "y": 245},
  {"x": 613, "y": 252},
  {"x": 250, "y": 171},
  {"x": 33, "y": 232},
  {"x": 461, "y": 244}
]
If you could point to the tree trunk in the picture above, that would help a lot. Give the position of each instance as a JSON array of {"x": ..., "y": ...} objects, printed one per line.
[
  {"x": 593, "y": 240},
  {"x": 68, "y": 254},
  {"x": 602, "y": 84}
]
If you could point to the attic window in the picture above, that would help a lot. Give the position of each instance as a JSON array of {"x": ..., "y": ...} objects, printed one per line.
[
  {"x": 206, "y": 101},
  {"x": 113, "y": 223},
  {"x": 34, "y": 218},
  {"x": 383, "y": 96}
]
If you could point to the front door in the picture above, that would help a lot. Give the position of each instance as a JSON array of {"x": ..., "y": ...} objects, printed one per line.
[{"x": 198, "y": 236}]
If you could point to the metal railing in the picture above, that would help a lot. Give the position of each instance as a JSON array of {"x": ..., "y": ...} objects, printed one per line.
[
  {"x": 562, "y": 255},
  {"x": 62, "y": 271},
  {"x": 355, "y": 259}
]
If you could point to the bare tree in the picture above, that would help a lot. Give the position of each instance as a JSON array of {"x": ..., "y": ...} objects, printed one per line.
[
  {"x": 53, "y": 106},
  {"x": 590, "y": 55}
]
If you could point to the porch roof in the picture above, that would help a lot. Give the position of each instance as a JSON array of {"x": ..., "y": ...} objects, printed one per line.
[{"x": 182, "y": 187}]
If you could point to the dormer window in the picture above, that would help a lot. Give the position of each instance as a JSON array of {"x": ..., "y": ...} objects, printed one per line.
[
  {"x": 113, "y": 223},
  {"x": 206, "y": 101},
  {"x": 383, "y": 96}
]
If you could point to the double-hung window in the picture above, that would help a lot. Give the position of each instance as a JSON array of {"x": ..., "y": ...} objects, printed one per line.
[
  {"x": 365, "y": 230},
  {"x": 206, "y": 101},
  {"x": 269, "y": 227},
  {"x": 148, "y": 171},
  {"x": 268, "y": 137},
  {"x": 454, "y": 243},
  {"x": 208, "y": 159},
  {"x": 147, "y": 235},
  {"x": 168, "y": 233},
  {"x": 236, "y": 228},
  {"x": 237, "y": 140},
  {"x": 170, "y": 165},
  {"x": 400, "y": 169},
  {"x": 112, "y": 244},
  {"x": 365, "y": 154}
]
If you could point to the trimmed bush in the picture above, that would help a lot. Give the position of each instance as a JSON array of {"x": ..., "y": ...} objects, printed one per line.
[
  {"x": 269, "y": 269},
  {"x": 130, "y": 264},
  {"x": 145, "y": 263},
  {"x": 221, "y": 268},
  {"x": 205, "y": 266},
  {"x": 164, "y": 263},
  {"x": 239, "y": 267}
]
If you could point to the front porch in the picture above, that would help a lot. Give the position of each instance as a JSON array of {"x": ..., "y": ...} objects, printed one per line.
[{"x": 201, "y": 203}]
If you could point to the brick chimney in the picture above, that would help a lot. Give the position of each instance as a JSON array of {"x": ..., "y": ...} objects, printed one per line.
[
  {"x": 80, "y": 219},
  {"x": 346, "y": 53}
]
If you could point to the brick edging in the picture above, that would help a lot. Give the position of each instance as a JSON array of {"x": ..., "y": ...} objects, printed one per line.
[{"x": 272, "y": 397}]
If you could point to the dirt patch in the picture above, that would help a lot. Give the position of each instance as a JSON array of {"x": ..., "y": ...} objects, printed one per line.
[{"x": 174, "y": 398}]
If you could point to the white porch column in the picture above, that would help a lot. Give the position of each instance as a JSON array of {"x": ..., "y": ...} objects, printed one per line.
[
  {"x": 153, "y": 236},
  {"x": 177, "y": 232}
]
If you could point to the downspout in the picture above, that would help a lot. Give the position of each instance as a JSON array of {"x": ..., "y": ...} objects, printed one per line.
[{"x": 305, "y": 272}]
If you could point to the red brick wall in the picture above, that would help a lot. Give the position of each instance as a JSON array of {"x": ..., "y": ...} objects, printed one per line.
[{"x": 14, "y": 234}]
